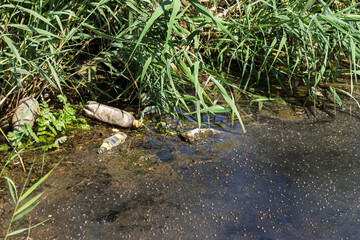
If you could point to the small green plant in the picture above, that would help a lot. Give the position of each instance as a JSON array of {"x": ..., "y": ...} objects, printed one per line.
[{"x": 50, "y": 125}]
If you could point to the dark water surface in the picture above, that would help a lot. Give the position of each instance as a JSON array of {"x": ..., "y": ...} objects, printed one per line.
[{"x": 280, "y": 180}]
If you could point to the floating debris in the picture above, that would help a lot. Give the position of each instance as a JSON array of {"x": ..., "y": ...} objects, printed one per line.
[
  {"x": 25, "y": 113},
  {"x": 112, "y": 141},
  {"x": 110, "y": 115},
  {"x": 199, "y": 133}
]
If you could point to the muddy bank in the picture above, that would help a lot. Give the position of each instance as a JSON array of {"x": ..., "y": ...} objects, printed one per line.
[{"x": 280, "y": 180}]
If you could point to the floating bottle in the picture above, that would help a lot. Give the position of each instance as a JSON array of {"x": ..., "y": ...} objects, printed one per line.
[
  {"x": 112, "y": 141},
  {"x": 199, "y": 133},
  {"x": 25, "y": 113},
  {"x": 110, "y": 115}
]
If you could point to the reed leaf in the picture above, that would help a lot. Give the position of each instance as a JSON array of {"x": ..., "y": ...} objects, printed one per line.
[
  {"x": 21, "y": 215},
  {"x": 27, "y": 204},
  {"x": 229, "y": 101},
  {"x": 11, "y": 45},
  {"x": 337, "y": 98},
  {"x": 35, "y": 30},
  {"x": 12, "y": 189},
  {"x": 17, "y": 232},
  {"x": 35, "y": 186}
]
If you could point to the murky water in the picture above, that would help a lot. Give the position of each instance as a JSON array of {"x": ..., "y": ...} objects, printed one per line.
[{"x": 281, "y": 180}]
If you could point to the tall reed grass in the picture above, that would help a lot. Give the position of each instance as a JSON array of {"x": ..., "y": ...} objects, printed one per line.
[{"x": 170, "y": 50}]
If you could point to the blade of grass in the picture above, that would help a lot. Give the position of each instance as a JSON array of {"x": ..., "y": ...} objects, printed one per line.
[
  {"x": 336, "y": 96},
  {"x": 211, "y": 18},
  {"x": 12, "y": 189},
  {"x": 55, "y": 75},
  {"x": 35, "y": 14},
  {"x": 16, "y": 232},
  {"x": 349, "y": 94},
  {"x": 33, "y": 187},
  {"x": 11, "y": 45},
  {"x": 229, "y": 101},
  {"x": 177, "y": 94},
  {"x": 20, "y": 216},
  {"x": 28, "y": 203},
  {"x": 176, "y": 7},
  {"x": 35, "y": 30},
  {"x": 156, "y": 14}
]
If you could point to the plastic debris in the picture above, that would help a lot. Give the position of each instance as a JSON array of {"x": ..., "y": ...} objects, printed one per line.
[
  {"x": 110, "y": 115},
  {"x": 112, "y": 141},
  {"x": 25, "y": 113},
  {"x": 199, "y": 133}
]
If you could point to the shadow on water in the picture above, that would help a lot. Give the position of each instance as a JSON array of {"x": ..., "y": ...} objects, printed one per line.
[{"x": 281, "y": 180}]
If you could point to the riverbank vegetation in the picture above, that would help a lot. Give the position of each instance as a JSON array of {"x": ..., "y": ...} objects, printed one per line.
[{"x": 178, "y": 57}]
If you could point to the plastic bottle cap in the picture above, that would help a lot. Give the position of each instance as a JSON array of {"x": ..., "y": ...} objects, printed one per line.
[{"x": 136, "y": 124}]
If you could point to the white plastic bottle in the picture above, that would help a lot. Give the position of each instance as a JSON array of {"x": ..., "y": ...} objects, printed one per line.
[{"x": 112, "y": 141}]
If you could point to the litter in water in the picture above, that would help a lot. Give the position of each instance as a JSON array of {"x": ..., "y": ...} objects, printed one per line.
[
  {"x": 199, "y": 133},
  {"x": 25, "y": 113},
  {"x": 112, "y": 141},
  {"x": 110, "y": 115}
]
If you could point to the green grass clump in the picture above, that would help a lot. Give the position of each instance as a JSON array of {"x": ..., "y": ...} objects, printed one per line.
[{"x": 169, "y": 50}]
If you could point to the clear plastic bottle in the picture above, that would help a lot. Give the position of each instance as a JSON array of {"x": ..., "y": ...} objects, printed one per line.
[
  {"x": 110, "y": 115},
  {"x": 112, "y": 141}
]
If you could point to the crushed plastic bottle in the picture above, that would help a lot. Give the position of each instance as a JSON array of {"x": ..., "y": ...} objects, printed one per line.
[
  {"x": 25, "y": 113},
  {"x": 112, "y": 141},
  {"x": 199, "y": 133},
  {"x": 110, "y": 115}
]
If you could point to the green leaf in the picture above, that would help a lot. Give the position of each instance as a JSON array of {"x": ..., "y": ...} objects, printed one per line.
[
  {"x": 308, "y": 5},
  {"x": 35, "y": 30},
  {"x": 144, "y": 69},
  {"x": 45, "y": 75},
  {"x": 31, "y": 132},
  {"x": 12, "y": 189},
  {"x": 24, "y": 229},
  {"x": 13, "y": 48},
  {"x": 33, "y": 187},
  {"x": 216, "y": 109},
  {"x": 172, "y": 84},
  {"x": 20, "y": 216},
  {"x": 230, "y": 101},
  {"x": 198, "y": 114},
  {"x": 4, "y": 147},
  {"x": 336, "y": 96},
  {"x": 20, "y": 71},
  {"x": 28, "y": 203},
  {"x": 282, "y": 43},
  {"x": 55, "y": 75},
  {"x": 352, "y": 17},
  {"x": 156, "y": 14},
  {"x": 37, "y": 15},
  {"x": 350, "y": 95},
  {"x": 208, "y": 15},
  {"x": 176, "y": 8}
]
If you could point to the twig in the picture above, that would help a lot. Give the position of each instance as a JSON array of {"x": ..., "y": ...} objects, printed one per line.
[
  {"x": 22, "y": 163},
  {"x": 7, "y": 95}
]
